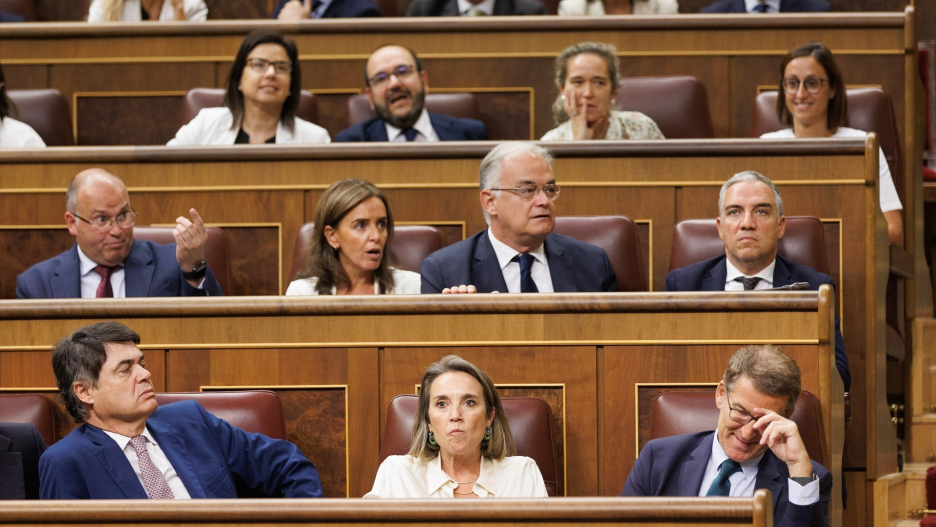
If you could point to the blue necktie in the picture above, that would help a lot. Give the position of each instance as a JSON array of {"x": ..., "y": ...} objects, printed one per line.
[
  {"x": 527, "y": 285},
  {"x": 720, "y": 485},
  {"x": 761, "y": 8},
  {"x": 410, "y": 134}
]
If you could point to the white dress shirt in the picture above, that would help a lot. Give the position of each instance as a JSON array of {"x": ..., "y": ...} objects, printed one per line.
[
  {"x": 486, "y": 7},
  {"x": 742, "y": 482},
  {"x": 404, "y": 283},
  {"x": 212, "y": 126},
  {"x": 158, "y": 458},
  {"x": 765, "y": 275},
  {"x": 423, "y": 126},
  {"x": 90, "y": 279},
  {"x": 773, "y": 6},
  {"x": 409, "y": 477},
  {"x": 511, "y": 269}
]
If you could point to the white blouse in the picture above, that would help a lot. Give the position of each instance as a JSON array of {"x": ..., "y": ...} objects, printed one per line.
[
  {"x": 17, "y": 134},
  {"x": 404, "y": 283},
  {"x": 195, "y": 11},
  {"x": 212, "y": 126},
  {"x": 409, "y": 477}
]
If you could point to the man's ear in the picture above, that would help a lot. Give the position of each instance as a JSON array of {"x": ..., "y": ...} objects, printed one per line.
[
  {"x": 720, "y": 394},
  {"x": 489, "y": 202},
  {"x": 83, "y": 392},
  {"x": 782, "y": 227},
  {"x": 72, "y": 223},
  {"x": 425, "y": 80},
  {"x": 719, "y": 227}
]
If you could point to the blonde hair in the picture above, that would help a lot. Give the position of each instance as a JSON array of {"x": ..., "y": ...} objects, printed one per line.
[{"x": 113, "y": 10}]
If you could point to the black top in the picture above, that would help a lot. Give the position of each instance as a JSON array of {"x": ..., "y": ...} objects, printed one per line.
[{"x": 243, "y": 138}]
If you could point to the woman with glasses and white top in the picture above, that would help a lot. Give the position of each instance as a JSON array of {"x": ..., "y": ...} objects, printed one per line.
[
  {"x": 144, "y": 10},
  {"x": 814, "y": 103},
  {"x": 260, "y": 103}
]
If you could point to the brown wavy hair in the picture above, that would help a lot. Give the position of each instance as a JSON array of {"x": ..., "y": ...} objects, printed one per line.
[{"x": 838, "y": 105}]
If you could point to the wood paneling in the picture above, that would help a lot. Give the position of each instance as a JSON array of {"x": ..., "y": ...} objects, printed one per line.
[{"x": 126, "y": 120}]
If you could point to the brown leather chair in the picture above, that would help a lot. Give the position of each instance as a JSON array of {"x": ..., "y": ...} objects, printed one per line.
[
  {"x": 30, "y": 408},
  {"x": 23, "y": 8},
  {"x": 869, "y": 109},
  {"x": 678, "y": 412},
  {"x": 256, "y": 411},
  {"x": 198, "y": 98},
  {"x": 803, "y": 243},
  {"x": 530, "y": 424},
  {"x": 462, "y": 105},
  {"x": 216, "y": 252},
  {"x": 411, "y": 245},
  {"x": 617, "y": 235},
  {"x": 678, "y": 105},
  {"x": 46, "y": 111}
]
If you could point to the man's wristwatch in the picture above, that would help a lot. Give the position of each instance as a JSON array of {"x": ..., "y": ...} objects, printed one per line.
[
  {"x": 807, "y": 480},
  {"x": 197, "y": 272}
]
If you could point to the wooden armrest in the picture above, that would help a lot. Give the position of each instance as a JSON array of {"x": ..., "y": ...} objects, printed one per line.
[{"x": 901, "y": 263}]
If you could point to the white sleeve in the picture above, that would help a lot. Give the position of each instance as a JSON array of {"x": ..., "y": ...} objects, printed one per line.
[
  {"x": 890, "y": 200},
  {"x": 196, "y": 11},
  {"x": 536, "y": 487},
  {"x": 191, "y": 133},
  {"x": 301, "y": 287},
  {"x": 95, "y": 12}
]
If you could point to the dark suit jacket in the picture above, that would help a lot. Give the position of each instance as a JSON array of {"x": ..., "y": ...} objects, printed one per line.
[
  {"x": 150, "y": 270},
  {"x": 11, "y": 17},
  {"x": 447, "y": 128},
  {"x": 675, "y": 466},
  {"x": 710, "y": 275},
  {"x": 573, "y": 265},
  {"x": 450, "y": 8},
  {"x": 20, "y": 448},
  {"x": 342, "y": 9},
  {"x": 786, "y": 6},
  {"x": 209, "y": 455}
]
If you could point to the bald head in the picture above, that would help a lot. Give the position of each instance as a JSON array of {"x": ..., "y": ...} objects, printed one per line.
[
  {"x": 96, "y": 199},
  {"x": 95, "y": 176}
]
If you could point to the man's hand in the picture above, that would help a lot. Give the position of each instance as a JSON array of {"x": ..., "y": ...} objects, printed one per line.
[
  {"x": 295, "y": 10},
  {"x": 190, "y": 237},
  {"x": 459, "y": 289},
  {"x": 783, "y": 439}
]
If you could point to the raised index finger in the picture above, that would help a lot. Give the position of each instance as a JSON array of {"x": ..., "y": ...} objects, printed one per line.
[{"x": 196, "y": 219}]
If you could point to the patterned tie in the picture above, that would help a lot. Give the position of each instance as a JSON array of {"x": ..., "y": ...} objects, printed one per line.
[
  {"x": 749, "y": 282},
  {"x": 761, "y": 8},
  {"x": 527, "y": 285},
  {"x": 720, "y": 485},
  {"x": 474, "y": 11},
  {"x": 410, "y": 134},
  {"x": 104, "y": 289},
  {"x": 153, "y": 480}
]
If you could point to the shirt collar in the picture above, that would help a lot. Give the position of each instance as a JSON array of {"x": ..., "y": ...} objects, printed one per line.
[
  {"x": 506, "y": 253},
  {"x": 487, "y": 6},
  {"x": 320, "y": 10},
  {"x": 749, "y": 5},
  {"x": 436, "y": 478},
  {"x": 423, "y": 125},
  {"x": 766, "y": 275},
  {"x": 749, "y": 467},
  {"x": 86, "y": 264},
  {"x": 123, "y": 441}
]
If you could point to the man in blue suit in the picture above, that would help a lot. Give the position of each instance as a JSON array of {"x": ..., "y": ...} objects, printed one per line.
[
  {"x": 518, "y": 253},
  {"x": 20, "y": 448},
  {"x": 754, "y": 447},
  {"x": 305, "y": 9},
  {"x": 126, "y": 447},
  {"x": 751, "y": 223},
  {"x": 107, "y": 262},
  {"x": 396, "y": 86},
  {"x": 767, "y": 6}
]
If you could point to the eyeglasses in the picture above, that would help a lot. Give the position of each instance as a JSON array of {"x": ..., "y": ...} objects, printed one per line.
[
  {"x": 739, "y": 416},
  {"x": 400, "y": 72},
  {"x": 812, "y": 84},
  {"x": 124, "y": 220},
  {"x": 260, "y": 65},
  {"x": 528, "y": 192}
]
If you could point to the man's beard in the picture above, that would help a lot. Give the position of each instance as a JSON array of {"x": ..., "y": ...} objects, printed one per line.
[{"x": 409, "y": 118}]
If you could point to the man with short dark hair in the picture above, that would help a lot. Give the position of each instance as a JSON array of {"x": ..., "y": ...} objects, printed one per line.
[
  {"x": 128, "y": 447},
  {"x": 396, "y": 87},
  {"x": 750, "y": 221},
  {"x": 755, "y": 446}
]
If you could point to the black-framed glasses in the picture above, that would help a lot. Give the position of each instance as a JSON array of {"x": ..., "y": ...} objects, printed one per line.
[
  {"x": 528, "y": 192},
  {"x": 124, "y": 220},
  {"x": 259, "y": 65},
  {"x": 400, "y": 72},
  {"x": 812, "y": 84},
  {"x": 739, "y": 416}
]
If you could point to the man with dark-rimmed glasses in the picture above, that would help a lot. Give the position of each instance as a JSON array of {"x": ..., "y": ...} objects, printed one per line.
[
  {"x": 756, "y": 446},
  {"x": 106, "y": 262}
]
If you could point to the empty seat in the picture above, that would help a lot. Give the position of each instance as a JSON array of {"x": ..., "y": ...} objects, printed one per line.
[
  {"x": 678, "y": 104},
  {"x": 617, "y": 235},
  {"x": 216, "y": 252},
  {"x": 46, "y": 111},
  {"x": 198, "y": 98},
  {"x": 462, "y": 105}
]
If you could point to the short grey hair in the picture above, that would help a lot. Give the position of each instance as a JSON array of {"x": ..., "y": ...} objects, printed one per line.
[
  {"x": 750, "y": 175},
  {"x": 490, "y": 172}
]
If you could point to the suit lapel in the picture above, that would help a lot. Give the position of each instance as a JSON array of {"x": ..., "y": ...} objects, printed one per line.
[
  {"x": 173, "y": 446},
  {"x": 781, "y": 273},
  {"x": 376, "y": 131},
  {"x": 739, "y": 7},
  {"x": 715, "y": 279},
  {"x": 116, "y": 464},
  {"x": 485, "y": 269},
  {"x": 560, "y": 266},
  {"x": 693, "y": 470},
  {"x": 138, "y": 271},
  {"x": 770, "y": 478},
  {"x": 12, "y": 483},
  {"x": 66, "y": 282},
  {"x": 440, "y": 129}
]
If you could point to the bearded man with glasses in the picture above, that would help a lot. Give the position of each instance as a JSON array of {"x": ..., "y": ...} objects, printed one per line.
[
  {"x": 106, "y": 262},
  {"x": 518, "y": 253}
]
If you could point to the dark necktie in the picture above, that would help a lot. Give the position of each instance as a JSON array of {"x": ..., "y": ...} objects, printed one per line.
[
  {"x": 527, "y": 285},
  {"x": 761, "y": 8},
  {"x": 104, "y": 289},
  {"x": 410, "y": 134},
  {"x": 750, "y": 282},
  {"x": 720, "y": 485},
  {"x": 153, "y": 480}
]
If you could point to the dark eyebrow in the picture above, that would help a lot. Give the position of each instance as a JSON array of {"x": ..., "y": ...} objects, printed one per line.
[{"x": 128, "y": 362}]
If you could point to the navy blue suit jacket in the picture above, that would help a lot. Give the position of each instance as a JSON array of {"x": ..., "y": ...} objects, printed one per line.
[
  {"x": 209, "y": 455},
  {"x": 786, "y": 6},
  {"x": 342, "y": 9},
  {"x": 574, "y": 266},
  {"x": 710, "y": 275},
  {"x": 450, "y": 8},
  {"x": 150, "y": 270},
  {"x": 20, "y": 448},
  {"x": 447, "y": 128},
  {"x": 11, "y": 17},
  {"x": 674, "y": 466}
]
